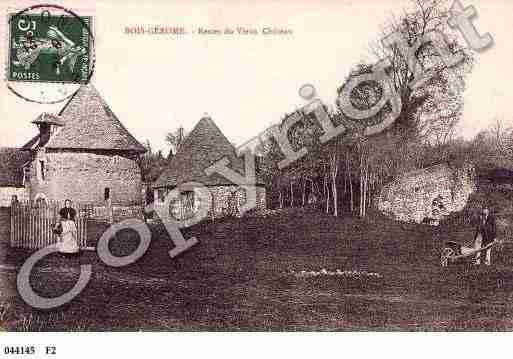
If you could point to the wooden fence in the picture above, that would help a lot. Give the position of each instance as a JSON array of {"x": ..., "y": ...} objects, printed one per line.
[{"x": 32, "y": 223}]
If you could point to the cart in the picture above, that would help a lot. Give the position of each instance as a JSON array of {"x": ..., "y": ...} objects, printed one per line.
[{"x": 454, "y": 251}]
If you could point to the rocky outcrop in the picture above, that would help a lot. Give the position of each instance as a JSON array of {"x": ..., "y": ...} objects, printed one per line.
[{"x": 428, "y": 194}]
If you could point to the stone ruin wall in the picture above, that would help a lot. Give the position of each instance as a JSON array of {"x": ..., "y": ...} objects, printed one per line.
[{"x": 410, "y": 198}]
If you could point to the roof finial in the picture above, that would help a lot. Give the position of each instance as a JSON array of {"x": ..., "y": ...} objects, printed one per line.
[{"x": 206, "y": 115}]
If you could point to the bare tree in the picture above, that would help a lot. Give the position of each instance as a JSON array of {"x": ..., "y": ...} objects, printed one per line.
[
  {"x": 175, "y": 140},
  {"x": 429, "y": 111},
  {"x": 503, "y": 138}
]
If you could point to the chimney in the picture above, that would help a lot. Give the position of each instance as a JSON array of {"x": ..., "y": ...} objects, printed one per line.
[{"x": 47, "y": 124}]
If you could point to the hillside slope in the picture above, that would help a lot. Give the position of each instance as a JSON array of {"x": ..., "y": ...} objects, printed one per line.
[{"x": 295, "y": 270}]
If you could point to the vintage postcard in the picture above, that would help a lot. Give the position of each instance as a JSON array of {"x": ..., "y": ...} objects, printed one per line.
[{"x": 279, "y": 166}]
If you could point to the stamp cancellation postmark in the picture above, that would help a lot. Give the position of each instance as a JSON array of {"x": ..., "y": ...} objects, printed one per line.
[{"x": 50, "y": 52}]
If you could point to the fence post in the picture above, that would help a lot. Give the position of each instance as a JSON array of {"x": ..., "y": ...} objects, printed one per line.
[
  {"x": 12, "y": 222},
  {"x": 25, "y": 221},
  {"x": 79, "y": 225}
]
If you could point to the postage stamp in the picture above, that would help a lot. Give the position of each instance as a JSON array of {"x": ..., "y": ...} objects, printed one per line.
[
  {"x": 49, "y": 52},
  {"x": 49, "y": 48}
]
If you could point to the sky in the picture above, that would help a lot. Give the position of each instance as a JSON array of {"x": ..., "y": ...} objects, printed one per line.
[{"x": 156, "y": 83}]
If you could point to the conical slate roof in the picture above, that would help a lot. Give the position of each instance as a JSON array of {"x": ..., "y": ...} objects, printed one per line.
[
  {"x": 89, "y": 123},
  {"x": 205, "y": 145}
]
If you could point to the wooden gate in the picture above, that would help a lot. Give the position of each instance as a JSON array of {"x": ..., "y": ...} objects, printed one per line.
[{"x": 32, "y": 223}]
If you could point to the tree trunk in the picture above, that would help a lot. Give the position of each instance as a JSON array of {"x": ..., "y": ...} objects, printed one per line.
[
  {"x": 350, "y": 179},
  {"x": 327, "y": 192},
  {"x": 317, "y": 193},
  {"x": 360, "y": 204},
  {"x": 334, "y": 173},
  {"x": 370, "y": 197},
  {"x": 213, "y": 209},
  {"x": 345, "y": 176},
  {"x": 365, "y": 190},
  {"x": 324, "y": 186},
  {"x": 314, "y": 195},
  {"x": 335, "y": 195},
  {"x": 351, "y": 192},
  {"x": 303, "y": 181},
  {"x": 291, "y": 195}
]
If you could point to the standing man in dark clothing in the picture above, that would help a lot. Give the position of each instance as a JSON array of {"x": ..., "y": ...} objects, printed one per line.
[{"x": 486, "y": 232}]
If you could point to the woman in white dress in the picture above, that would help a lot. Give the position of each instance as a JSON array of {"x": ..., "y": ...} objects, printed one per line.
[{"x": 68, "y": 243}]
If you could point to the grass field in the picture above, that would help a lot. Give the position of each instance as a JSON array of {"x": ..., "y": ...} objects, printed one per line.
[{"x": 246, "y": 275}]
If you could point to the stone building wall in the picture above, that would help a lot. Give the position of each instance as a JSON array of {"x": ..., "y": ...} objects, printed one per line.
[
  {"x": 429, "y": 193},
  {"x": 225, "y": 196},
  {"x": 6, "y": 194},
  {"x": 225, "y": 200},
  {"x": 115, "y": 214},
  {"x": 84, "y": 176}
]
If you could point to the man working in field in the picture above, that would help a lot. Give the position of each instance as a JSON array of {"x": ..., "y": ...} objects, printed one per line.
[{"x": 486, "y": 232}]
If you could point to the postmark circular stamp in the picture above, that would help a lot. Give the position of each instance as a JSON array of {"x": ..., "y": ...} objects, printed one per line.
[{"x": 50, "y": 52}]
